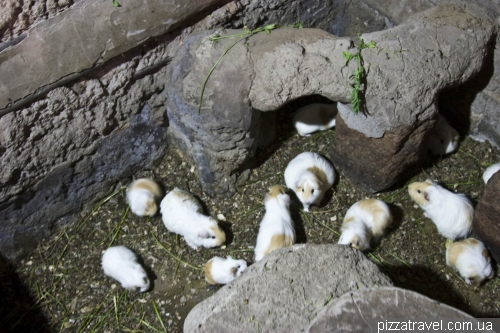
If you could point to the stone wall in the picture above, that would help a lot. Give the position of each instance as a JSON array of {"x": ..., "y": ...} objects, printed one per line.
[
  {"x": 82, "y": 101},
  {"x": 76, "y": 119}
]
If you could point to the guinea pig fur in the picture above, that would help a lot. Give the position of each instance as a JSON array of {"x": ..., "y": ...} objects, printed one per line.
[
  {"x": 310, "y": 176},
  {"x": 490, "y": 171},
  {"x": 364, "y": 220},
  {"x": 121, "y": 264},
  {"x": 444, "y": 138},
  {"x": 314, "y": 117},
  {"x": 276, "y": 228},
  {"x": 142, "y": 196},
  {"x": 471, "y": 259},
  {"x": 182, "y": 214},
  {"x": 222, "y": 271},
  {"x": 451, "y": 212}
]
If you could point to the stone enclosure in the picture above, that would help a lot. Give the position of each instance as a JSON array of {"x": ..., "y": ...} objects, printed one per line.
[{"x": 91, "y": 93}]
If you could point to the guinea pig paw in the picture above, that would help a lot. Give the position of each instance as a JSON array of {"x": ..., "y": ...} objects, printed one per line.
[
  {"x": 467, "y": 281},
  {"x": 448, "y": 242}
]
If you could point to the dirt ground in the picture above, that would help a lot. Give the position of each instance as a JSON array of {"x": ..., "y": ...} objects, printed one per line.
[{"x": 64, "y": 288}]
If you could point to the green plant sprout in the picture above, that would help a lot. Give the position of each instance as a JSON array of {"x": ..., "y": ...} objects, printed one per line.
[
  {"x": 359, "y": 74},
  {"x": 116, "y": 4}
]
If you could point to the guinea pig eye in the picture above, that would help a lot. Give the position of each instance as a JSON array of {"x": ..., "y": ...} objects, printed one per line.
[
  {"x": 312, "y": 191},
  {"x": 419, "y": 191},
  {"x": 213, "y": 237},
  {"x": 302, "y": 190},
  {"x": 238, "y": 267}
]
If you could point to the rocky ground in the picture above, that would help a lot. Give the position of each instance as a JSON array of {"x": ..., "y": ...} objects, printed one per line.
[{"x": 62, "y": 287}]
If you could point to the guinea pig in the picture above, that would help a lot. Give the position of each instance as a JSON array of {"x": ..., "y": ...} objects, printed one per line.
[
  {"x": 444, "y": 138},
  {"x": 364, "y": 220},
  {"x": 451, "y": 212},
  {"x": 276, "y": 228},
  {"x": 314, "y": 117},
  {"x": 490, "y": 171},
  {"x": 142, "y": 196},
  {"x": 310, "y": 176},
  {"x": 222, "y": 271},
  {"x": 121, "y": 264},
  {"x": 182, "y": 214},
  {"x": 471, "y": 259}
]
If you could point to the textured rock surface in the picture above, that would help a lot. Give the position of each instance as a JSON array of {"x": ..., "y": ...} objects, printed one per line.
[
  {"x": 224, "y": 134},
  {"x": 89, "y": 33},
  {"x": 375, "y": 164},
  {"x": 486, "y": 224},
  {"x": 17, "y": 16},
  {"x": 284, "y": 291},
  {"x": 339, "y": 17},
  {"x": 355, "y": 311}
]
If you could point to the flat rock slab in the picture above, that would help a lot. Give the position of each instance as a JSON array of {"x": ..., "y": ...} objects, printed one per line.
[
  {"x": 284, "y": 291},
  {"x": 356, "y": 311},
  {"x": 486, "y": 224},
  {"x": 89, "y": 33}
]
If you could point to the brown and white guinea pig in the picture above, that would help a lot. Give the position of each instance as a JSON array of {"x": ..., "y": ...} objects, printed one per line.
[
  {"x": 143, "y": 195},
  {"x": 314, "y": 117},
  {"x": 310, "y": 176},
  {"x": 121, "y": 264},
  {"x": 471, "y": 259},
  {"x": 276, "y": 228},
  {"x": 490, "y": 171},
  {"x": 444, "y": 138},
  {"x": 364, "y": 220},
  {"x": 183, "y": 214},
  {"x": 451, "y": 212},
  {"x": 222, "y": 271}
]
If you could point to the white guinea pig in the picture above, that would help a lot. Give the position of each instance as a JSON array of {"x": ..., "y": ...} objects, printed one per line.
[
  {"x": 444, "y": 138},
  {"x": 364, "y": 220},
  {"x": 142, "y": 196},
  {"x": 471, "y": 259},
  {"x": 182, "y": 214},
  {"x": 310, "y": 176},
  {"x": 222, "y": 271},
  {"x": 276, "y": 228},
  {"x": 121, "y": 264},
  {"x": 451, "y": 212},
  {"x": 490, "y": 171},
  {"x": 314, "y": 117}
]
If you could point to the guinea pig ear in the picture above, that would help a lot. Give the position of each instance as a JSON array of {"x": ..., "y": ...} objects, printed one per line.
[
  {"x": 428, "y": 181},
  {"x": 299, "y": 184},
  {"x": 234, "y": 270},
  {"x": 203, "y": 234}
]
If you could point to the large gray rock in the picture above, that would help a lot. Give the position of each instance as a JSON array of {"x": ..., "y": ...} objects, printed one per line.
[
  {"x": 84, "y": 36},
  {"x": 285, "y": 290},
  {"x": 223, "y": 135},
  {"x": 440, "y": 48},
  {"x": 358, "y": 311}
]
